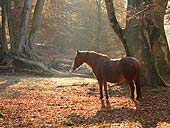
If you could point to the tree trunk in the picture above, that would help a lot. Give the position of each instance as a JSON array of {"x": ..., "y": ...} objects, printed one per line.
[
  {"x": 36, "y": 22},
  {"x": 115, "y": 24},
  {"x": 161, "y": 49},
  {"x": 24, "y": 24},
  {"x": 98, "y": 2},
  {"x": 139, "y": 47},
  {"x": 11, "y": 26},
  {"x": 4, "y": 45},
  {"x": 2, "y": 2},
  {"x": 19, "y": 53},
  {"x": 136, "y": 41}
]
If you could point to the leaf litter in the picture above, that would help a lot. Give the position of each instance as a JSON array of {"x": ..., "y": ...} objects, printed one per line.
[{"x": 74, "y": 102}]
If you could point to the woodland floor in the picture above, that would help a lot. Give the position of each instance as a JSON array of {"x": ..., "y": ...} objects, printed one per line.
[{"x": 40, "y": 102}]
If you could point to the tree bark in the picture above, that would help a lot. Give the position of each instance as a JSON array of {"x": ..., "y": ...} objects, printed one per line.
[
  {"x": 2, "y": 2},
  {"x": 139, "y": 47},
  {"x": 160, "y": 48},
  {"x": 11, "y": 26},
  {"x": 36, "y": 22},
  {"x": 24, "y": 24},
  {"x": 115, "y": 24},
  {"x": 98, "y": 2},
  {"x": 136, "y": 40},
  {"x": 4, "y": 45}
]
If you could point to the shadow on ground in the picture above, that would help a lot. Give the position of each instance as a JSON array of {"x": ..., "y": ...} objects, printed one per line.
[
  {"x": 6, "y": 82},
  {"x": 149, "y": 112},
  {"x": 116, "y": 90}
]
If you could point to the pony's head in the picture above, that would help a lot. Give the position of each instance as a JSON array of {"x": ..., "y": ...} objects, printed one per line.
[{"x": 78, "y": 60}]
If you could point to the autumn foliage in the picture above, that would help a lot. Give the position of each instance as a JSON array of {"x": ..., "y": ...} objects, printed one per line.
[{"x": 74, "y": 102}]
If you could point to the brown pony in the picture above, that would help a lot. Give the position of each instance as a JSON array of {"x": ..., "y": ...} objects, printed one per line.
[{"x": 111, "y": 70}]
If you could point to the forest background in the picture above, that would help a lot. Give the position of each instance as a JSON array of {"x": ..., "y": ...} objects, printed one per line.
[{"x": 39, "y": 39}]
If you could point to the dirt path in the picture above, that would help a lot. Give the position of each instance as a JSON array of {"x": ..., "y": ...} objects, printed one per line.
[{"x": 38, "y": 102}]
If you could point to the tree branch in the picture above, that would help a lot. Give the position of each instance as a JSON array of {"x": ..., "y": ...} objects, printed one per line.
[
  {"x": 112, "y": 17},
  {"x": 115, "y": 24}
]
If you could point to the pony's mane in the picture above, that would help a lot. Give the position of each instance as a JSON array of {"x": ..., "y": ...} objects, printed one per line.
[{"x": 96, "y": 53}]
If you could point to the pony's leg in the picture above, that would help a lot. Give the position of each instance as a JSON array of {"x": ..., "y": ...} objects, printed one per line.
[
  {"x": 138, "y": 89},
  {"x": 132, "y": 88},
  {"x": 101, "y": 88},
  {"x": 105, "y": 89}
]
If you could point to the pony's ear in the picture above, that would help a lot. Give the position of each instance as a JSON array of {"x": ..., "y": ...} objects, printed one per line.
[{"x": 78, "y": 52}]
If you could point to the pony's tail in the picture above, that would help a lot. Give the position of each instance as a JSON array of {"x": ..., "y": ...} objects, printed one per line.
[{"x": 138, "y": 83}]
